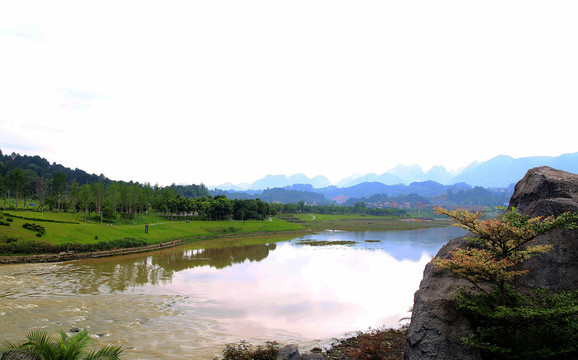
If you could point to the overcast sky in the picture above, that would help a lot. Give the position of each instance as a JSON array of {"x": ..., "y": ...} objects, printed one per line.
[{"x": 217, "y": 91}]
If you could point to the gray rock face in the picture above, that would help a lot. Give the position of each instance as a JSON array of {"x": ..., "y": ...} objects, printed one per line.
[
  {"x": 543, "y": 192},
  {"x": 436, "y": 327}
]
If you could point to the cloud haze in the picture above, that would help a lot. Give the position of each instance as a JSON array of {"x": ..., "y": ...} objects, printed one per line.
[{"x": 231, "y": 91}]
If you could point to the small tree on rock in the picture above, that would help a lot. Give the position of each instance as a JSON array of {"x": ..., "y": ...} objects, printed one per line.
[{"x": 508, "y": 324}]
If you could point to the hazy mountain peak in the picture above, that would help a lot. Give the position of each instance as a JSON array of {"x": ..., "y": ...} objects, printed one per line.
[
  {"x": 500, "y": 171},
  {"x": 409, "y": 173},
  {"x": 439, "y": 174}
]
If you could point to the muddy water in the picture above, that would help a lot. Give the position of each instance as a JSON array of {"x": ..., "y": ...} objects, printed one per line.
[{"x": 186, "y": 302}]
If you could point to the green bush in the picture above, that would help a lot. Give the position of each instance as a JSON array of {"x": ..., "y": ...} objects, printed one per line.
[
  {"x": 541, "y": 325},
  {"x": 28, "y": 247},
  {"x": 34, "y": 227},
  {"x": 126, "y": 216},
  {"x": 41, "y": 247},
  {"x": 36, "y": 219}
]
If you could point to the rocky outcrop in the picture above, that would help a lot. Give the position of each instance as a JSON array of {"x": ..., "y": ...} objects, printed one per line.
[
  {"x": 543, "y": 192},
  {"x": 436, "y": 327}
]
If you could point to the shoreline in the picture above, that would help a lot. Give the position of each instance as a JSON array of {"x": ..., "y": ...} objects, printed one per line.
[{"x": 70, "y": 255}]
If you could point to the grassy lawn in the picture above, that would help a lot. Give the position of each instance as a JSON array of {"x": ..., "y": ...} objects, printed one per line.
[{"x": 93, "y": 232}]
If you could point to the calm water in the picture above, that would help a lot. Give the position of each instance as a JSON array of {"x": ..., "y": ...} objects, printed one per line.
[{"x": 187, "y": 302}]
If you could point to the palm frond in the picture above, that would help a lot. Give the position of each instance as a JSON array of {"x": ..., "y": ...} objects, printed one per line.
[{"x": 109, "y": 352}]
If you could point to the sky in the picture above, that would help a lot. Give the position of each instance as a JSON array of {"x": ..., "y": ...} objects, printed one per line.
[{"x": 230, "y": 91}]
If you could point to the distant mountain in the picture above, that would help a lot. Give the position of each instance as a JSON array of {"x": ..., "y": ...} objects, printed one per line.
[
  {"x": 566, "y": 162},
  {"x": 230, "y": 187},
  {"x": 366, "y": 189},
  {"x": 439, "y": 174},
  {"x": 348, "y": 180},
  {"x": 281, "y": 181},
  {"x": 501, "y": 171},
  {"x": 270, "y": 182},
  {"x": 320, "y": 182},
  {"x": 409, "y": 173}
]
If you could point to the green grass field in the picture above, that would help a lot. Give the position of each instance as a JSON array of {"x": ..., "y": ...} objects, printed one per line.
[{"x": 93, "y": 232}]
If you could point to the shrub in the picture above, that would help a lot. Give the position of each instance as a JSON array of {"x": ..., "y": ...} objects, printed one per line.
[
  {"x": 126, "y": 216},
  {"x": 41, "y": 345},
  {"x": 108, "y": 213},
  {"x": 38, "y": 228},
  {"x": 379, "y": 344},
  {"x": 40, "y": 247},
  {"x": 246, "y": 351},
  {"x": 541, "y": 325},
  {"x": 28, "y": 247}
]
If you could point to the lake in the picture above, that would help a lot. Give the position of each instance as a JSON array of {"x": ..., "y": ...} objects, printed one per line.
[{"x": 188, "y": 301}]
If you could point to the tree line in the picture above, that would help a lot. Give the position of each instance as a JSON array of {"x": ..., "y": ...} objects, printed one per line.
[{"x": 107, "y": 200}]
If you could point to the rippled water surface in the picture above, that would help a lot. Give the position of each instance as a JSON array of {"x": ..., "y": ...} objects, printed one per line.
[{"x": 187, "y": 302}]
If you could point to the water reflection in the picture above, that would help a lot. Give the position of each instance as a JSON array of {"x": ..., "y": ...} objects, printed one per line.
[
  {"x": 402, "y": 245},
  {"x": 186, "y": 302}
]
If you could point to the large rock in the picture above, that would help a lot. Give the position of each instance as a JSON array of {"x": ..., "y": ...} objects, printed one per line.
[
  {"x": 543, "y": 192},
  {"x": 436, "y": 327},
  {"x": 289, "y": 352}
]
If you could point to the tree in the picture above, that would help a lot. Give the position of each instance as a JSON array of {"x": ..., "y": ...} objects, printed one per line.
[
  {"x": 41, "y": 186},
  {"x": 74, "y": 198},
  {"x": 17, "y": 181},
  {"x": 85, "y": 197},
  {"x": 508, "y": 324},
  {"x": 113, "y": 195},
  {"x": 97, "y": 190},
  {"x": 41, "y": 346},
  {"x": 4, "y": 188},
  {"x": 59, "y": 182},
  {"x": 29, "y": 182}
]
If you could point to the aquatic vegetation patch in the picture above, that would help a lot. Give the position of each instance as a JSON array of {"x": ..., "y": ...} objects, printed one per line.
[{"x": 311, "y": 242}]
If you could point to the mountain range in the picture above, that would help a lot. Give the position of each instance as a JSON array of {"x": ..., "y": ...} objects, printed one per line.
[{"x": 500, "y": 171}]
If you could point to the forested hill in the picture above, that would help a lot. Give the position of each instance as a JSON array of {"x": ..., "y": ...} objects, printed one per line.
[{"x": 36, "y": 166}]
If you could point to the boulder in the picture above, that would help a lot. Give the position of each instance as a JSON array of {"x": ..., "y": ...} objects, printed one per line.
[
  {"x": 436, "y": 327},
  {"x": 288, "y": 352},
  {"x": 543, "y": 192}
]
